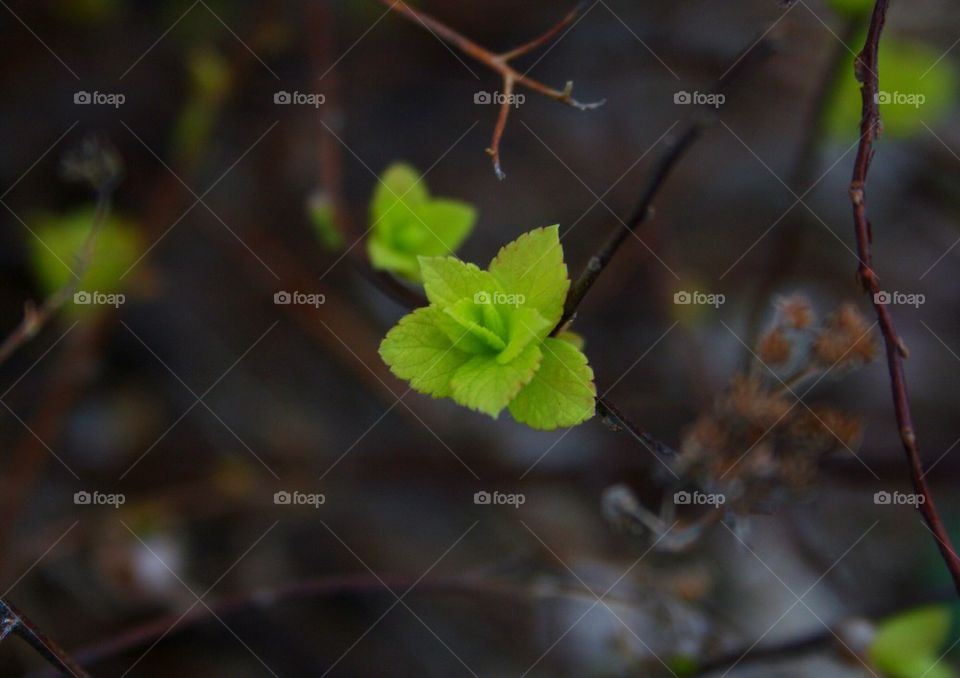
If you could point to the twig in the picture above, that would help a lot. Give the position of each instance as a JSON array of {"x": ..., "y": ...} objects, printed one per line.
[
  {"x": 663, "y": 166},
  {"x": 500, "y": 63},
  {"x": 474, "y": 583},
  {"x": 35, "y": 317},
  {"x": 614, "y": 420},
  {"x": 15, "y": 622},
  {"x": 866, "y": 70}
]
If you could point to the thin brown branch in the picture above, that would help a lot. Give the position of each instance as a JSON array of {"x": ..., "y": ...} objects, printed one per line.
[
  {"x": 545, "y": 39},
  {"x": 12, "y": 621},
  {"x": 499, "y": 63},
  {"x": 866, "y": 70},
  {"x": 671, "y": 155}
]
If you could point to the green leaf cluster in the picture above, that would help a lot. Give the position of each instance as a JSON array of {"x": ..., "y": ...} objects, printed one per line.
[
  {"x": 484, "y": 339},
  {"x": 407, "y": 223}
]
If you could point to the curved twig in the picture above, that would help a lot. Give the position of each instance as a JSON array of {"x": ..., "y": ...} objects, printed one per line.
[
  {"x": 13, "y": 621},
  {"x": 35, "y": 317},
  {"x": 866, "y": 69},
  {"x": 671, "y": 155}
]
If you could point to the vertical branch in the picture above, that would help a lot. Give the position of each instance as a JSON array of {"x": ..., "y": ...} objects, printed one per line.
[{"x": 867, "y": 67}]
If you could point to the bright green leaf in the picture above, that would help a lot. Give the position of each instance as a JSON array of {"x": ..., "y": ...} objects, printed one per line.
[
  {"x": 526, "y": 325},
  {"x": 493, "y": 325},
  {"x": 469, "y": 317},
  {"x": 447, "y": 280},
  {"x": 448, "y": 223},
  {"x": 418, "y": 351},
  {"x": 562, "y": 391},
  {"x": 486, "y": 385},
  {"x": 400, "y": 183},
  {"x": 385, "y": 258},
  {"x": 909, "y": 645},
  {"x": 572, "y": 338},
  {"x": 532, "y": 266},
  {"x": 407, "y": 223}
]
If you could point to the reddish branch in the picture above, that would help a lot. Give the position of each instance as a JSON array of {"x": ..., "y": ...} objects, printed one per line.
[
  {"x": 14, "y": 622},
  {"x": 866, "y": 70},
  {"x": 500, "y": 63}
]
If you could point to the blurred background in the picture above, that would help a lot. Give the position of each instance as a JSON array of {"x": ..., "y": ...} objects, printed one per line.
[{"x": 146, "y": 435}]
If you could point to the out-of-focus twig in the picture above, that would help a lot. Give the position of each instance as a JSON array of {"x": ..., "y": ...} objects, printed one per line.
[
  {"x": 500, "y": 63},
  {"x": 477, "y": 583},
  {"x": 674, "y": 152},
  {"x": 12, "y": 621},
  {"x": 866, "y": 70},
  {"x": 101, "y": 168}
]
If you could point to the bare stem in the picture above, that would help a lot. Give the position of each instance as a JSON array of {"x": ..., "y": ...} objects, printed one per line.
[
  {"x": 12, "y": 621},
  {"x": 500, "y": 63},
  {"x": 867, "y": 69},
  {"x": 668, "y": 159}
]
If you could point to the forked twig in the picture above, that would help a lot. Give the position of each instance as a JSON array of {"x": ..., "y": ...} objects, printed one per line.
[
  {"x": 866, "y": 69},
  {"x": 500, "y": 63}
]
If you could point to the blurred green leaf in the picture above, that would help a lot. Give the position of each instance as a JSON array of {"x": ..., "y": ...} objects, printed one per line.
[
  {"x": 59, "y": 244},
  {"x": 852, "y": 8},
  {"x": 210, "y": 82},
  {"x": 913, "y": 91},
  {"x": 909, "y": 645},
  {"x": 320, "y": 211},
  {"x": 408, "y": 223}
]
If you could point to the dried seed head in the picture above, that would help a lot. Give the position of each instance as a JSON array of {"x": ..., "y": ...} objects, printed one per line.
[
  {"x": 775, "y": 347},
  {"x": 795, "y": 311},
  {"x": 750, "y": 401},
  {"x": 845, "y": 340}
]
